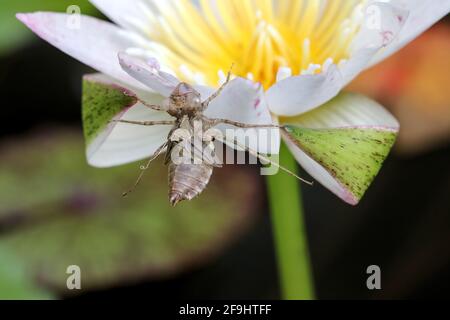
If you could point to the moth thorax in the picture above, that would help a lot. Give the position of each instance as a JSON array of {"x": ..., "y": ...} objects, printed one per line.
[{"x": 184, "y": 100}]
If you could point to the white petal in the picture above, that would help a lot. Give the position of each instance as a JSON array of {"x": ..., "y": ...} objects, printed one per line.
[
  {"x": 345, "y": 111},
  {"x": 96, "y": 43},
  {"x": 119, "y": 144},
  {"x": 348, "y": 110},
  {"x": 382, "y": 25},
  {"x": 126, "y": 13},
  {"x": 300, "y": 94},
  {"x": 422, "y": 15},
  {"x": 148, "y": 74},
  {"x": 243, "y": 101}
]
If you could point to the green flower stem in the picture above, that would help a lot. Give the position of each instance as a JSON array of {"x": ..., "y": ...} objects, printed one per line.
[{"x": 289, "y": 232}]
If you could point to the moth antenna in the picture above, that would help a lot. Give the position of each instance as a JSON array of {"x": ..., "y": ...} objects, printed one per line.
[
  {"x": 138, "y": 181},
  {"x": 145, "y": 168},
  {"x": 219, "y": 91},
  {"x": 310, "y": 183},
  {"x": 266, "y": 159}
]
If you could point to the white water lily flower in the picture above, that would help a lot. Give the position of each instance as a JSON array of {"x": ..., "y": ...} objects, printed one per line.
[{"x": 303, "y": 52}]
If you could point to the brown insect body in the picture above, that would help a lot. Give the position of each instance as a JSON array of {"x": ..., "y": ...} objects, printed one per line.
[
  {"x": 193, "y": 132},
  {"x": 188, "y": 179}
]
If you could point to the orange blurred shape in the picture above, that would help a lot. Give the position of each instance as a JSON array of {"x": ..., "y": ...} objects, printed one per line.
[{"x": 415, "y": 85}]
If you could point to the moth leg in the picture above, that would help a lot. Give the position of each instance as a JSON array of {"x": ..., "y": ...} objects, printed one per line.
[
  {"x": 147, "y": 123},
  {"x": 144, "y": 168},
  {"x": 153, "y": 106},
  {"x": 264, "y": 158},
  {"x": 219, "y": 91},
  {"x": 216, "y": 122}
]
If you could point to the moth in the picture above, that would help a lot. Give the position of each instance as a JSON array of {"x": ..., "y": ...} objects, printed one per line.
[{"x": 188, "y": 179}]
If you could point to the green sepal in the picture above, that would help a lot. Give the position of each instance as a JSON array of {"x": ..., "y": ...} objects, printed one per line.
[
  {"x": 101, "y": 103},
  {"x": 353, "y": 156}
]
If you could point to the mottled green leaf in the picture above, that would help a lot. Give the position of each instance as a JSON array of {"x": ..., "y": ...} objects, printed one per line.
[
  {"x": 15, "y": 284},
  {"x": 353, "y": 156},
  {"x": 56, "y": 211},
  {"x": 101, "y": 102}
]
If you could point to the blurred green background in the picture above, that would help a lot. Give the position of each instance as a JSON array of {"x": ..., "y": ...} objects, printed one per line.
[{"x": 56, "y": 211}]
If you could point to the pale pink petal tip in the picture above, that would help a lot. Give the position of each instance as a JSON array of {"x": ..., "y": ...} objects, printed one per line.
[{"x": 24, "y": 18}]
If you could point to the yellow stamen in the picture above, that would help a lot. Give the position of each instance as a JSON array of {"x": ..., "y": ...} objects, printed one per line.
[{"x": 199, "y": 41}]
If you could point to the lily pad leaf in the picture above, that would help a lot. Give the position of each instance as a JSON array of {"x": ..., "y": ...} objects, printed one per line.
[
  {"x": 15, "y": 284},
  {"x": 59, "y": 213}
]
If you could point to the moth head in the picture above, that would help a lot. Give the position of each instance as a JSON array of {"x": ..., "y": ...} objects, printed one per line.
[{"x": 185, "y": 99}]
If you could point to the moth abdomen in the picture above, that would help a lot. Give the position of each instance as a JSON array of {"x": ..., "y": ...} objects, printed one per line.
[{"x": 187, "y": 181}]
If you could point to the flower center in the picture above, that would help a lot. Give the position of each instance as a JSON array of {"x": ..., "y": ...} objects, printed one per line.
[{"x": 200, "y": 42}]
